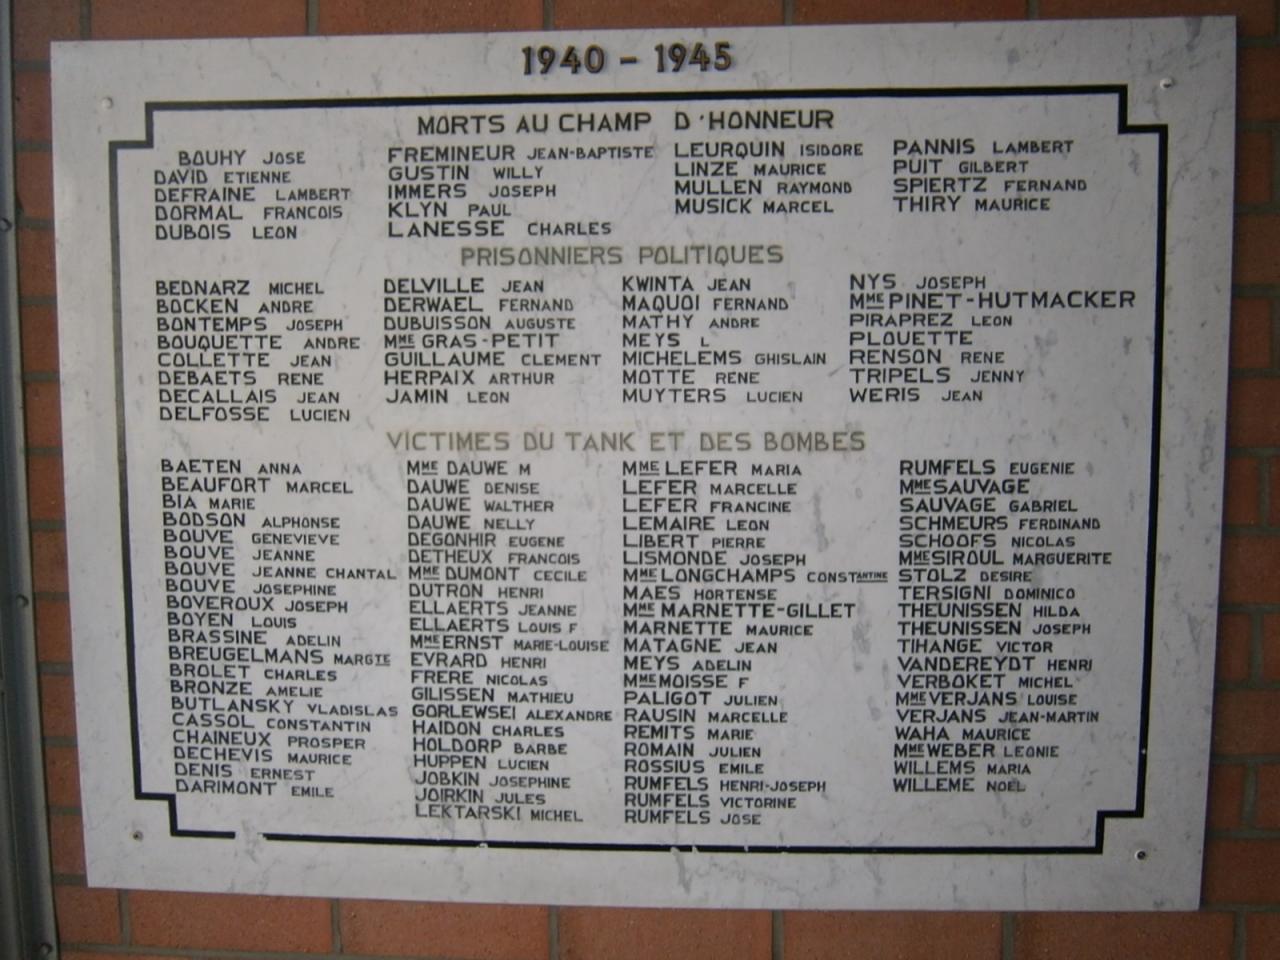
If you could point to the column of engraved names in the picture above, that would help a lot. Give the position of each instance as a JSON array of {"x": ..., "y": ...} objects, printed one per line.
[
  {"x": 435, "y": 333},
  {"x": 705, "y": 626},
  {"x": 928, "y": 338},
  {"x": 948, "y": 677},
  {"x": 665, "y": 778},
  {"x": 214, "y": 352},
  {"x": 763, "y": 161},
  {"x": 457, "y": 628},
  {"x": 655, "y": 368},
  {"x": 259, "y": 630},
  {"x": 254, "y": 651},
  {"x": 492, "y": 181},
  {"x": 662, "y": 358},
  {"x": 487, "y": 619},
  {"x": 230, "y": 194},
  {"x": 692, "y": 343},
  {"x": 240, "y": 350},
  {"x": 974, "y": 652},
  {"x": 216, "y": 636},
  {"x": 435, "y": 187},
  {"x": 444, "y": 343},
  {"x": 1031, "y": 174}
]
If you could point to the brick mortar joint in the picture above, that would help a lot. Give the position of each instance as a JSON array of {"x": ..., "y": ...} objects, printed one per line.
[
  {"x": 1244, "y": 833},
  {"x": 1244, "y": 529}
]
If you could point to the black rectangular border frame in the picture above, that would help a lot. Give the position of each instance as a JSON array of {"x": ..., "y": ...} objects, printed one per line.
[{"x": 1124, "y": 127}]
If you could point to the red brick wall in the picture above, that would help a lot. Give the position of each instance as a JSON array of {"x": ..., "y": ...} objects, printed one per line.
[{"x": 1240, "y": 917}]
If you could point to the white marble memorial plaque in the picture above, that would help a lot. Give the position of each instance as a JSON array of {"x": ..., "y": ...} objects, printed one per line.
[{"x": 760, "y": 468}]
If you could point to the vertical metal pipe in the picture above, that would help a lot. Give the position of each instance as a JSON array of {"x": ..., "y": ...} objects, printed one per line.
[{"x": 27, "y": 927}]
